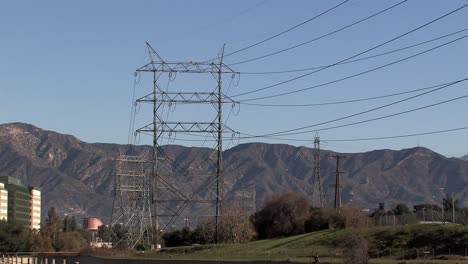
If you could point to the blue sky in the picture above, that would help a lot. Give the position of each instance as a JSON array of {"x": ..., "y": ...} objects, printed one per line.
[{"x": 68, "y": 66}]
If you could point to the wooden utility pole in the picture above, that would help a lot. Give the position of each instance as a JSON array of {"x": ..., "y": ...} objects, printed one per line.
[
  {"x": 337, "y": 204},
  {"x": 453, "y": 208}
]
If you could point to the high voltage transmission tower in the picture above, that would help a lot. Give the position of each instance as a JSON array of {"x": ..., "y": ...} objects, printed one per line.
[
  {"x": 167, "y": 196},
  {"x": 132, "y": 201},
  {"x": 245, "y": 200},
  {"x": 317, "y": 187}
]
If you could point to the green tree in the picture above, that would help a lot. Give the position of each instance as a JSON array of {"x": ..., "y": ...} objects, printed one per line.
[
  {"x": 328, "y": 218},
  {"x": 204, "y": 233},
  {"x": 401, "y": 209},
  {"x": 71, "y": 241},
  {"x": 319, "y": 219},
  {"x": 449, "y": 202},
  {"x": 66, "y": 224},
  {"x": 53, "y": 225},
  {"x": 178, "y": 238},
  {"x": 428, "y": 207},
  {"x": 41, "y": 242},
  {"x": 464, "y": 218},
  {"x": 119, "y": 237},
  {"x": 73, "y": 224},
  {"x": 105, "y": 232},
  {"x": 69, "y": 224},
  {"x": 14, "y": 237}
]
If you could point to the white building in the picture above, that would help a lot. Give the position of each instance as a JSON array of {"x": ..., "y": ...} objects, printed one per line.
[
  {"x": 3, "y": 202},
  {"x": 34, "y": 208}
]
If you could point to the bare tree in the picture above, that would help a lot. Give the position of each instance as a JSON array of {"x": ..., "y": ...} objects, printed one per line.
[
  {"x": 356, "y": 248},
  {"x": 234, "y": 227}
]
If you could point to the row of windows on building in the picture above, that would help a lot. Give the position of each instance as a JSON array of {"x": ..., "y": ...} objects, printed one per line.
[{"x": 20, "y": 203}]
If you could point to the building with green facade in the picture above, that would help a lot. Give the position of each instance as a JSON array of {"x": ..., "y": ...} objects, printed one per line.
[{"x": 19, "y": 200}]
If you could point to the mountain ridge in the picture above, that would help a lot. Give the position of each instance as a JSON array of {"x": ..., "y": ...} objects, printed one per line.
[{"x": 79, "y": 175}]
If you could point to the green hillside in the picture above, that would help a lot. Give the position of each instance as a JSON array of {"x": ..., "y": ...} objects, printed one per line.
[{"x": 385, "y": 245}]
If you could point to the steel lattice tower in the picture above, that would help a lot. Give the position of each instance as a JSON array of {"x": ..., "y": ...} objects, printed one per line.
[
  {"x": 244, "y": 199},
  {"x": 317, "y": 187},
  {"x": 132, "y": 201},
  {"x": 168, "y": 197}
]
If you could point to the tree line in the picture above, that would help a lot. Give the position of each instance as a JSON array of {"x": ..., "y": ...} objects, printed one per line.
[
  {"x": 56, "y": 234},
  {"x": 281, "y": 215},
  {"x": 292, "y": 214}
]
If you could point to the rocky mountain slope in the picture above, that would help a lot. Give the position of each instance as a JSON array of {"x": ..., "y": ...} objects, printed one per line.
[{"x": 77, "y": 177}]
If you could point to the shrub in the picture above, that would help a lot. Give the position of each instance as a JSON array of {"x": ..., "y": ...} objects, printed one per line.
[
  {"x": 178, "y": 238},
  {"x": 71, "y": 241},
  {"x": 13, "y": 237},
  {"x": 328, "y": 218},
  {"x": 282, "y": 215}
]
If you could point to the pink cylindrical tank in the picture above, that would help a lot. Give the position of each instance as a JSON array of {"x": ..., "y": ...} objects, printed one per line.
[{"x": 91, "y": 223}]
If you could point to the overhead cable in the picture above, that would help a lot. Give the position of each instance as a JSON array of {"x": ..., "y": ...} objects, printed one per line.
[
  {"x": 398, "y": 136},
  {"x": 354, "y": 75},
  {"x": 356, "y": 60},
  {"x": 284, "y": 132},
  {"x": 284, "y": 31},
  {"x": 371, "y": 119},
  {"x": 358, "y": 54},
  {"x": 320, "y": 37},
  {"x": 364, "y": 139},
  {"x": 347, "y": 101}
]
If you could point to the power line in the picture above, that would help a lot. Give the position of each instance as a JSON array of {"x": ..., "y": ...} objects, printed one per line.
[
  {"x": 244, "y": 11},
  {"x": 294, "y": 131},
  {"x": 320, "y": 37},
  {"x": 367, "y": 139},
  {"x": 369, "y": 110},
  {"x": 378, "y": 118},
  {"x": 358, "y": 54},
  {"x": 357, "y": 60},
  {"x": 398, "y": 136},
  {"x": 285, "y": 31},
  {"x": 354, "y": 75},
  {"x": 348, "y": 101}
]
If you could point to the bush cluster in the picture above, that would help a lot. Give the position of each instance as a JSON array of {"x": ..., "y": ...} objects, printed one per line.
[
  {"x": 55, "y": 235},
  {"x": 282, "y": 215}
]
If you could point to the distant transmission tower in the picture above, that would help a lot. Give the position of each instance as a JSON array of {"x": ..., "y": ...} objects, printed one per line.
[
  {"x": 244, "y": 199},
  {"x": 203, "y": 189},
  {"x": 131, "y": 210},
  {"x": 317, "y": 188}
]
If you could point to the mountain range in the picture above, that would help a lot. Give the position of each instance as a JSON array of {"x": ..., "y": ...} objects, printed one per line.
[{"x": 78, "y": 177}]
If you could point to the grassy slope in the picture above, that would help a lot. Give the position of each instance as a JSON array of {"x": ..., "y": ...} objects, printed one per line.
[{"x": 329, "y": 245}]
